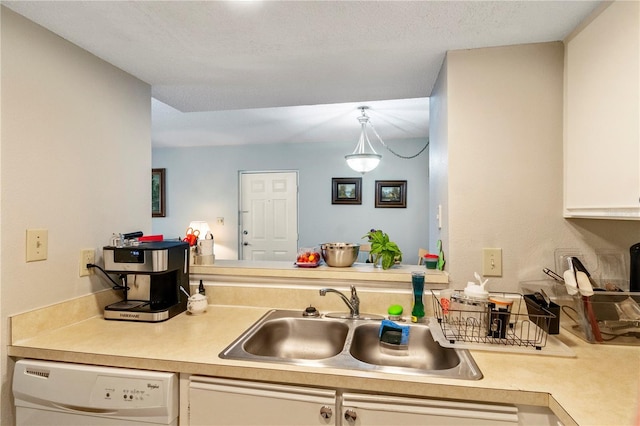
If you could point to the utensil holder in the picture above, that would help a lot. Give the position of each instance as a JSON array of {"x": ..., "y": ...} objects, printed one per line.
[{"x": 536, "y": 309}]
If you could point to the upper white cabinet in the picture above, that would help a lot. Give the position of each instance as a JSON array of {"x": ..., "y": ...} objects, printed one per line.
[{"x": 602, "y": 116}]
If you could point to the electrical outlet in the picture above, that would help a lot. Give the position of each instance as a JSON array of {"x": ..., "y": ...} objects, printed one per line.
[
  {"x": 492, "y": 262},
  {"x": 86, "y": 256},
  {"x": 37, "y": 244}
]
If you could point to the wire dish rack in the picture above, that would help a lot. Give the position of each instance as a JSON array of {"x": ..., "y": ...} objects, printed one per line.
[{"x": 484, "y": 325}]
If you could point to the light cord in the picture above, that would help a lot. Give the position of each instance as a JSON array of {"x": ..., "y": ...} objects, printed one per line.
[{"x": 392, "y": 151}]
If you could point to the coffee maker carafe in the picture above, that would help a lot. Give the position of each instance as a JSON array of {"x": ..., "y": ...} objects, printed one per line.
[{"x": 152, "y": 275}]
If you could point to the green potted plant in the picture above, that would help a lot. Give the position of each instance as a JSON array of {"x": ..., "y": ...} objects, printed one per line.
[{"x": 382, "y": 248}]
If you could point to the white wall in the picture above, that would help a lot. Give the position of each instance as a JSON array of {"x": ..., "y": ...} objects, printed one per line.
[
  {"x": 503, "y": 140},
  {"x": 202, "y": 184},
  {"x": 76, "y": 160},
  {"x": 439, "y": 165}
]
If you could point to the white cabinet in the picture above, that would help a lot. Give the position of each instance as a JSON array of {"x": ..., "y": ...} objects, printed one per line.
[
  {"x": 221, "y": 402},
  {"x": 383, "y": 410},
  {"x": 602, "y": 115},
  {"x": 217, "y": 402}
]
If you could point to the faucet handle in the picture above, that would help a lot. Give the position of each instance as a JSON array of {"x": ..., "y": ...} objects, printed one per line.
[{"x": 355, "y": 302}]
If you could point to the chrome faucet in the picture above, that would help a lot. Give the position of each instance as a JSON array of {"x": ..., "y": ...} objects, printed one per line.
[{"x": 353, "y": 304}]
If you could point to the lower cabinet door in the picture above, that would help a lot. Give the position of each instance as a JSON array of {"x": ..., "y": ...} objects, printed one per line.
[
  {"x": 234, "y": 402},
  {"x": 374, "y": 410}
]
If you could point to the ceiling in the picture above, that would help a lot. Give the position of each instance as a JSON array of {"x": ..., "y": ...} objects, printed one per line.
[{"x": 238, "y": 72}]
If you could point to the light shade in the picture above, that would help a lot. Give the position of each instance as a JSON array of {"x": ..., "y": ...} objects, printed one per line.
[
  {"x": 201, "y": 226},
  {"x": 361, "y": 160},
  {"x": 363, "y": 163}
]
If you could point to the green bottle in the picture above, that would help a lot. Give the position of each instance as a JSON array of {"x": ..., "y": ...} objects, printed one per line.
[{"x": 417, "y": 281}]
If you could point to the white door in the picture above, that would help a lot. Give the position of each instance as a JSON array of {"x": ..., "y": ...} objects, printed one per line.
[{"x": 269, "y": 216}]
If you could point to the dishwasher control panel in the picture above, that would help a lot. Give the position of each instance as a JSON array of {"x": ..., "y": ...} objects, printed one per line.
[{"x": 114, "y": 391}]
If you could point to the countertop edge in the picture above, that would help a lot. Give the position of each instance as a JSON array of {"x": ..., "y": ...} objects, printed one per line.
[
  {"x": 281, "y": 269},
  {"x": 273, "y": 373}
]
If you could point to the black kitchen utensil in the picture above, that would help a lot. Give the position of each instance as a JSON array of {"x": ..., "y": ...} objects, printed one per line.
[
  {"x": 580, "y": 267},
  {"x": 634, "y": 279},
  {"x": 553, "y": 275},
  {"x": 540, "y": 300}
]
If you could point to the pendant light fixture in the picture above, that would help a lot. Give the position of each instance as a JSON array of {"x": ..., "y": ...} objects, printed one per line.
[
  {"x": 360, "y": 160},
  {"x": 364, "y": 158}
]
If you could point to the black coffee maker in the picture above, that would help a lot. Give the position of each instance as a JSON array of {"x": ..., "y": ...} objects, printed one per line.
[
  {"x": 153, "y": 277},
  {"x": 634, "y": 280}
]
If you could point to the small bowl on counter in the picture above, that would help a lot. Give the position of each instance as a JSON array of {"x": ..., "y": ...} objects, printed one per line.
[
  {"x": 340, "y": 255},
  {"x": 308, "y": 258}
]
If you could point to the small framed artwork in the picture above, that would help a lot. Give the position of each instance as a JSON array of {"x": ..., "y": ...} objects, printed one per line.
[
  {"x": 346, "y": 191},
  {"x": 391, "y": 193},
  {"x": 158, "y": 197}
]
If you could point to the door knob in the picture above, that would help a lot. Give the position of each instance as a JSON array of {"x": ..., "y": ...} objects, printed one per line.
[
  {"x": 245, "y": 232},
  {"x": 326, "y": 412},
  {"x": 350, "y": 416}
]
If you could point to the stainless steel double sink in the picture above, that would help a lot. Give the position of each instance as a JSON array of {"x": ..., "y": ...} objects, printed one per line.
[{"x": 288, "y": 337}]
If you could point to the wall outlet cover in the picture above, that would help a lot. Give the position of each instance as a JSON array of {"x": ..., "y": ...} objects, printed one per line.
[{"x": 86, "y": 256}]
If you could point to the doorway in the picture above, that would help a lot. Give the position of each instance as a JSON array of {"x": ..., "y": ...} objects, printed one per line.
[{"x": 268, "y": 224}]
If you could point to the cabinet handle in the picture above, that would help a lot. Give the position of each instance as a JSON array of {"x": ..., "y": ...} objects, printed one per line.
[
  {"x": 326, "y": 412},
  {"x": 350, "y": 416}
]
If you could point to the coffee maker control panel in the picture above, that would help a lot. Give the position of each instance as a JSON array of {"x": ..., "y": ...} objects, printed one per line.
[
  {"x": 143, "y": 258},
  {"x": 129, "y": 259}
]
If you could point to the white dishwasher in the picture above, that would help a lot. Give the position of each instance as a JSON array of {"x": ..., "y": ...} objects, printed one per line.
[{"x": 54, "y": 393}]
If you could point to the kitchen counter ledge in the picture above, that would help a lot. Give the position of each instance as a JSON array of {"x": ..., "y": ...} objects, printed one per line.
[
  {"x": 363, "y": 272},
  {"x": 598, "y": 387}
]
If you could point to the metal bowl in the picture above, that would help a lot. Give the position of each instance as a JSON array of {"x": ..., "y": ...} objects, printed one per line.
[{"x": 339, "y": 254}]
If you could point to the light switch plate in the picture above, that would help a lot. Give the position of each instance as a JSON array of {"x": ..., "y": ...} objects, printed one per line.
[
  {"x": 492, "y": 262},
  {"x": 37, "y": 244}
]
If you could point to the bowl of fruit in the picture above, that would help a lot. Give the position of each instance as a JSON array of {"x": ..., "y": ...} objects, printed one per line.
[{"x": 308, "y": 258}]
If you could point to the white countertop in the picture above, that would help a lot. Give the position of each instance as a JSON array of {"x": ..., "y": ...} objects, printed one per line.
[{"x": 597, "y": 387}]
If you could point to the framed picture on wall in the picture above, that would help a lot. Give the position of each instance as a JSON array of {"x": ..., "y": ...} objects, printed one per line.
[
  {"x": 391, "y": 193},
  {"x": 158, "y": 197},
  {"x": 346, "y": 191}
]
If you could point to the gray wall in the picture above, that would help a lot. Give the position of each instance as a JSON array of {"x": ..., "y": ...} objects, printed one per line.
[{"x": 202, "y": 184}]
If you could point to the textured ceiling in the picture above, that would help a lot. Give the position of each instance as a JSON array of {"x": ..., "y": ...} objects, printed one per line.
[{"x": 239, "y": 55}]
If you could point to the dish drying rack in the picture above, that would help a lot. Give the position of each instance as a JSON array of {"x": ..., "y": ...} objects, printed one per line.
[{"x": 472, "y": 326}]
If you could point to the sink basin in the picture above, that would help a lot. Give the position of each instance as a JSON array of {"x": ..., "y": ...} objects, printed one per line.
[
  {"x": 298, "y": 338},
  {"x": 287, "y": 337},
  {"x": 421, "y": 353}
]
